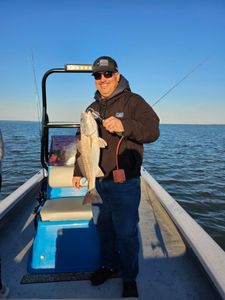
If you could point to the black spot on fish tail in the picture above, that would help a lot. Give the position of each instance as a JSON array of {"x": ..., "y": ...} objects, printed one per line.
[{"x": 92, "y": 197}]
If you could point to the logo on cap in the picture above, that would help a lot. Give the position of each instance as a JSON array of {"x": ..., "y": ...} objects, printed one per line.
[{"x": 103, "y": 63}]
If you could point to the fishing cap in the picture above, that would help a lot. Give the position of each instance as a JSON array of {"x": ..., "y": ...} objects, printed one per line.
[{"x": 104, "y": 63}]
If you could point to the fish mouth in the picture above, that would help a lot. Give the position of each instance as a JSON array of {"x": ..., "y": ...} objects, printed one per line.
[{"x": 87, "y": 123}]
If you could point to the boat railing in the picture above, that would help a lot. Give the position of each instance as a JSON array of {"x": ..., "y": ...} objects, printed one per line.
[{"x": 62, "y": 125}]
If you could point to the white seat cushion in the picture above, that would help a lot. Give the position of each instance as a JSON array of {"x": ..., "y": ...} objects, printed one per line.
[
  {"x": 66, "y": 209},
  {"x": 60, "y": 176}
]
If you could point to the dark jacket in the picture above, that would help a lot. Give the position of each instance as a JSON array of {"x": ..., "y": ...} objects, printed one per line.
[{"x": 141, "y": 125}]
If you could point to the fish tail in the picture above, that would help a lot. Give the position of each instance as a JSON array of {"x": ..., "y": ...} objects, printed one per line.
[{"x": 92, "y": 197}]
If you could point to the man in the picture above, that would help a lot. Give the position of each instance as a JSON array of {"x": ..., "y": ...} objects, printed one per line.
[{"x": 125, "y": 115}]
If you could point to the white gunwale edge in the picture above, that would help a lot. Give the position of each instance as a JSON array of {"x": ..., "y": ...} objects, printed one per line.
[
  {"x": 10, "y": 201},
  {"x": 209, "y": 253}
]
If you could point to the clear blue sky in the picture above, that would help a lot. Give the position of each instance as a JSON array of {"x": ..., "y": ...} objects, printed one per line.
[{"x": 155, "y": 43}]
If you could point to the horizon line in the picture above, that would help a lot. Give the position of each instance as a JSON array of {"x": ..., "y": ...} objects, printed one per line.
[{"x": 164, "y": 123}]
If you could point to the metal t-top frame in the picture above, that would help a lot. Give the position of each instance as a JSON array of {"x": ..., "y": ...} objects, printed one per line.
[{"x": 68, "y": 68}]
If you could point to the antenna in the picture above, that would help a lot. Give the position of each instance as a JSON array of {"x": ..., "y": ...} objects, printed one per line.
[{"x": 181, "y": 80}]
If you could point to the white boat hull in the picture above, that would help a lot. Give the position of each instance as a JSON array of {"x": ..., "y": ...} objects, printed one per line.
[{"x": 167, "y": 268}]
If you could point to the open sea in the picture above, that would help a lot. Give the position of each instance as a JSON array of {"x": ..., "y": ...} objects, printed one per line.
[{"x": 187, "y": 160}]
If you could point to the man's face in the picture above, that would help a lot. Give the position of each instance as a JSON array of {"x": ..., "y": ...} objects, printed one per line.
[{"x": 106, "y": 86}]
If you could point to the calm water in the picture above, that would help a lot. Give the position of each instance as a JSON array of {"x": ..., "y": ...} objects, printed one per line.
[{"x": 187, "y": 160}]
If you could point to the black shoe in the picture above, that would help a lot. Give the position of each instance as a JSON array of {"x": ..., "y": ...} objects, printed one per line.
[
  {"x": 101, "y": 275},
  {"x": 130, "y": 289}
]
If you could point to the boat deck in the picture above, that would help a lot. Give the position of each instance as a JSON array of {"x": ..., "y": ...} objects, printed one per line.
[{"x": 167, "y": 268}]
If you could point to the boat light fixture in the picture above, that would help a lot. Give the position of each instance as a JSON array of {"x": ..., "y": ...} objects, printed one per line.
[{"x": 81, "y": 68}]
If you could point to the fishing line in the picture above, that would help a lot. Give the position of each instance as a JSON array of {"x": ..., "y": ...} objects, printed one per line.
[
  {"x": 38, "y": 105},
  {"x": 37, "y": 98},
  {"x": 181, "y": 80}
]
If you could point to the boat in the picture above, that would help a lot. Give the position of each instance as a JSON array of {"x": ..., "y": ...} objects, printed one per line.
[{"x": 49, "y": 243}]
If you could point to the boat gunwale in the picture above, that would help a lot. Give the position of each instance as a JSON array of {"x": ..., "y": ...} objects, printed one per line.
[
  {"x": 12, "y": 200},
  {"x": 210, "y": 255}
]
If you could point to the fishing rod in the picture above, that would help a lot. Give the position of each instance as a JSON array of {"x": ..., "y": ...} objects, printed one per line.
[
  {"x": 181, "y": 80},
  {"x": 37, "y": 98},
  {"x": 40, "y": 198}
]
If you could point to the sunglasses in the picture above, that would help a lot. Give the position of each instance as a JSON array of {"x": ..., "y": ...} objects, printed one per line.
[{"x": 106, "y": 74}]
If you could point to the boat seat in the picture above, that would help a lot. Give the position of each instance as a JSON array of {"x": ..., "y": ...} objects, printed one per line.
[
  {"x": 60, "y": 183},
  {"x": 60, "y": 176},
  {"x": 66, "y": 209}
]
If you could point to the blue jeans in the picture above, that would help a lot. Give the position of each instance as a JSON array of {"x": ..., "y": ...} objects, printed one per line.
[{"x": 118, "y": 225}]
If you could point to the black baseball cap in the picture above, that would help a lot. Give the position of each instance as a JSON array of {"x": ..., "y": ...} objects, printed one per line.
[{"x": 104, "y": 63}]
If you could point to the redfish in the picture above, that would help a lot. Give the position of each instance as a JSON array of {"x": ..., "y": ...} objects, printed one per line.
[{"x": 89, "y": 147}]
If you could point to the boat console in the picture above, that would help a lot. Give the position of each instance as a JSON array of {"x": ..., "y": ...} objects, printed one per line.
[{"x": 66, "y": 239}]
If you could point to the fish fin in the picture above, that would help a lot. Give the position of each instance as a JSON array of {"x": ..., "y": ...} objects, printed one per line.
[
  {"x": 99, "y": 173},
  {"x": 92, "y": 196},
  {"x": 102, "y": 143}
]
